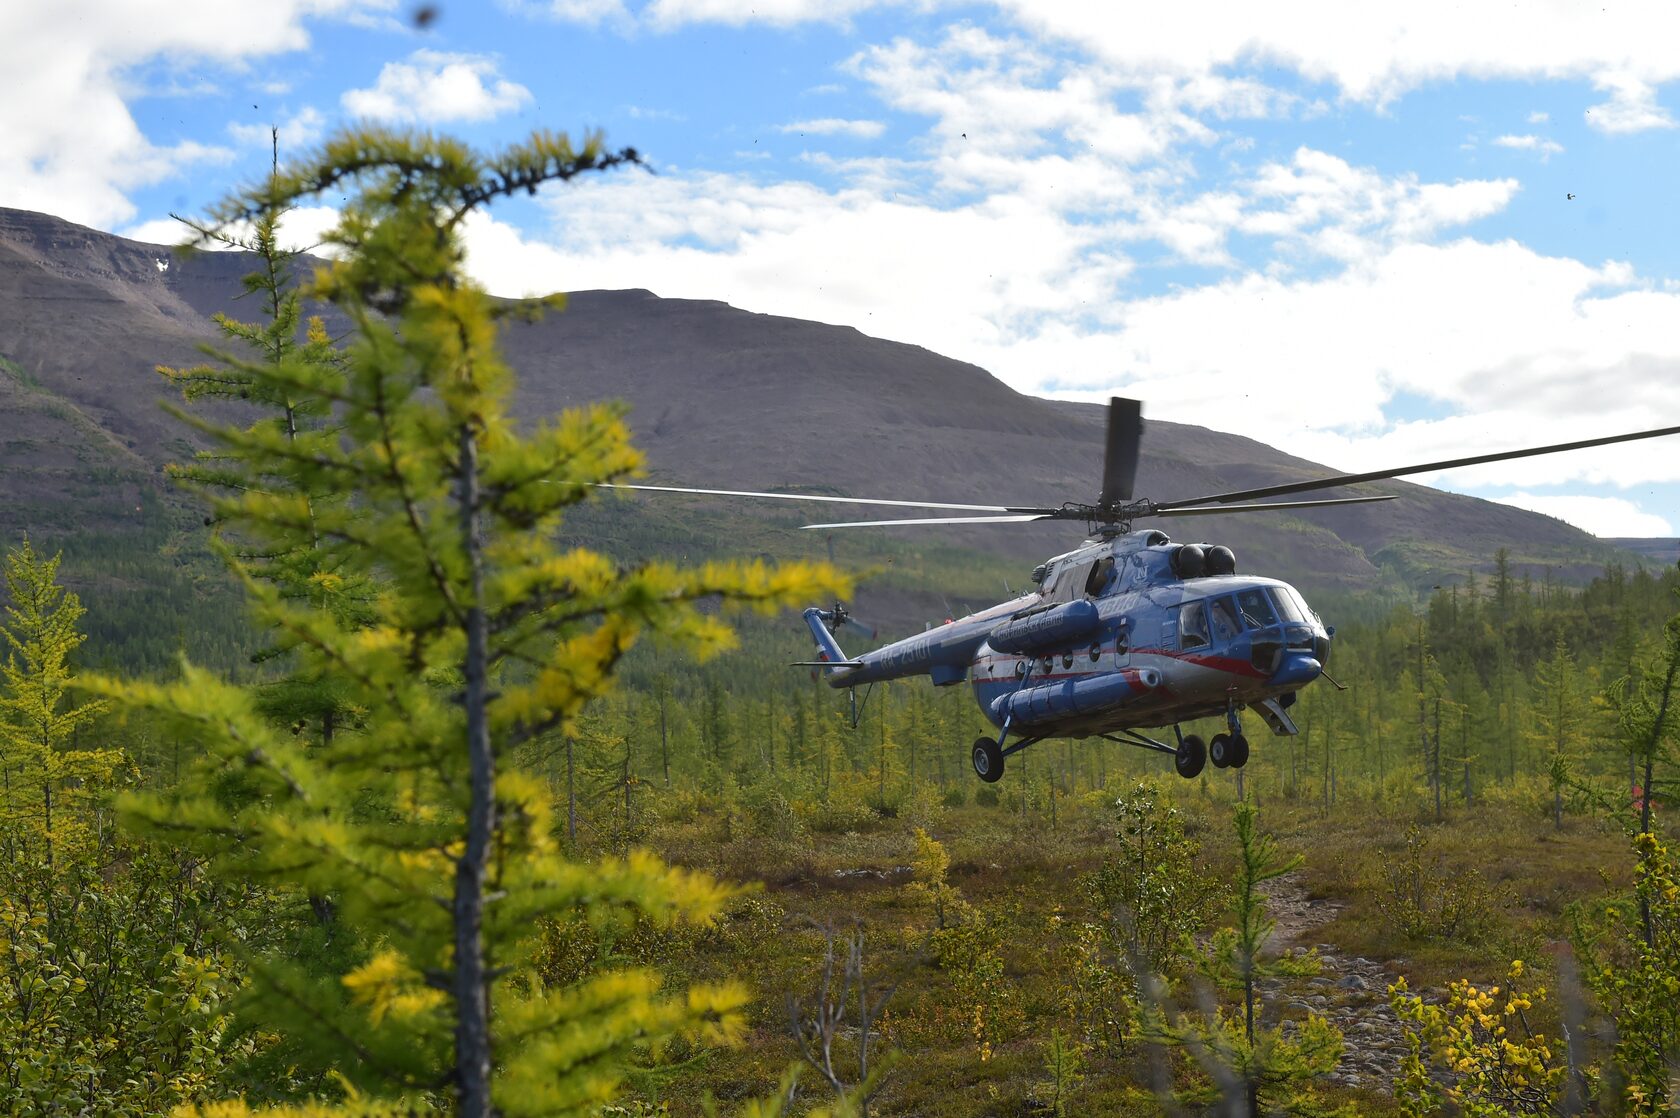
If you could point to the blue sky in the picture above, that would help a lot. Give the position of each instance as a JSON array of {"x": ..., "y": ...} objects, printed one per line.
[{"x": 1368, "y": 234}]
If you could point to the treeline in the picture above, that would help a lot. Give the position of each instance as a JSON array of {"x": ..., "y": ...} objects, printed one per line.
[{"x": 1494, "y": 687}]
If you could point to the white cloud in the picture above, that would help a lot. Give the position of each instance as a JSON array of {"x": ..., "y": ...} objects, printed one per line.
[
  {"x": 302, "y": 129},
  {"x": 68, "y": 143},
  {"x": 1541, "y": 146},
  {"x": 1602, "y": 516},
  {"x": 591, "y": 13},
  {"x": 834, "y": 126},
  {"x": 1632, "y": 106},
  {"x": 780, "y": 13},
  {"x": 1389, "y": 49},
  {"x": 1538, "y": 117},
  {"x": 1345, "y": 212},
  {"x": 301, "y": 228},
  {"x": 434, "y": 87}
]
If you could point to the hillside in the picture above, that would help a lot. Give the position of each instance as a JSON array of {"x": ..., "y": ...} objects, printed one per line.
[{"x": 719, "y": 397}]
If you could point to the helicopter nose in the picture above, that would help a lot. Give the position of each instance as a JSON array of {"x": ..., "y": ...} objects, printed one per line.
[{"x": 1297, "y": 670}]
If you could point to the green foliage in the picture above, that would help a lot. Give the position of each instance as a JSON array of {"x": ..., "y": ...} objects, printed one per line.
[
  {"x": 988, "y": 1005},
  {"x": 1630, "y": 961},
  {"x": 1253, "y": 1068},
  {"x": 1063, "y": 1067},
  {"x": 48, "y": 782},
  {"x": 1150, "y": 893},
  {"x": 928, "y": 885},
  {"x": 440, "y": 858},
  {"x": 1426, "y": 898},
  {"x": 115, "y": 982}
]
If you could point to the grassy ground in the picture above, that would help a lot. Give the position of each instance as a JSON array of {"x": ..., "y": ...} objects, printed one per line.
[{"x": 1383, "y": 884}]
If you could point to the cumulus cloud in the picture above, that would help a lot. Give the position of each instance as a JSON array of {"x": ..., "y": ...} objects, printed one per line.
[
  {"x": 434, "y": 87},
  {"x": 1387, "y": 51},
  {"x": 1541, "y": 146},
  {"x": 834, "y": 126},
  {"x": 68, "y": 143},
  {"x": 1602, "y": 516},
  {"x": 1632, "y": 106}
]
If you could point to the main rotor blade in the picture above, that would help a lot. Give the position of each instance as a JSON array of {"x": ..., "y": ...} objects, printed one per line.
[
  {"x": 1021, "y": 518},
  {"x": 1426, "y": 467},
  {"x": 1211, "y": 510},
  {"x": 1120, "y": 452},
  {"x": 817, "y": 497}
]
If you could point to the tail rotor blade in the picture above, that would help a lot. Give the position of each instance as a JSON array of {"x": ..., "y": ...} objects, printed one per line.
[
  {"x": 869, "y": 631},
  {"x": 1120, "y": 453}
]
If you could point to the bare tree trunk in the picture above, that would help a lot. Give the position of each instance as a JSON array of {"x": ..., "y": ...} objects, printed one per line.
[
  {"x": 664, "y": 741},
  {"x": 472, "y": 975},
  {"x": 1435, "y": 760},
  {"x": 571, "y": 796}
]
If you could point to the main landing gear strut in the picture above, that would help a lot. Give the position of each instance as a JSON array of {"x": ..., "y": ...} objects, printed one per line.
[{"x": 1224, "y": 750}]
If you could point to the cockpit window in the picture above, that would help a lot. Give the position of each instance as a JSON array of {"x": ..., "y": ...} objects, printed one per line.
[
  {"x": 1256, "y": 610},
  {"x": 1192, "y": 626},
  {"x": 1286, "y": 604},
  {"x": 1097, "y": 581},
  {"x": 1224, "y": 614}
]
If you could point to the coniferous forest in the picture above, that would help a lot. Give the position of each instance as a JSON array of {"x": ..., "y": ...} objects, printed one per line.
[{"x": 431, "y": 802}]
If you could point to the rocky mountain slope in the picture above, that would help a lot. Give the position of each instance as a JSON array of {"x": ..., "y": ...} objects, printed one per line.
[{"x": 719, "y": 397}]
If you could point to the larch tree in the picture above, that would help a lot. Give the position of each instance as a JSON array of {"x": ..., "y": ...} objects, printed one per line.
[
  {"x": 42, "y": 774},
  {"x": 1252, "y": 1068},
  {"x": 309, "y": 566},
  {"x": 1560, "y": 716},
  {"x": 488, "y": 631}
]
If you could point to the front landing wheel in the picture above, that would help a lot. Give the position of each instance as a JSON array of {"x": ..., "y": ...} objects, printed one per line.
[
  {"x": 1190, "y": 757},
  {"x": 988, "y": 760}
]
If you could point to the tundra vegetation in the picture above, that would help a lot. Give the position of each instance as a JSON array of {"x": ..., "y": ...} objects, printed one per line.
[{"x": 482, "y": 824}]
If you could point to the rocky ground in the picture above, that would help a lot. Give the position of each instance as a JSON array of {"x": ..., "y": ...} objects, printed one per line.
[{"x": 1350, "y": 990}]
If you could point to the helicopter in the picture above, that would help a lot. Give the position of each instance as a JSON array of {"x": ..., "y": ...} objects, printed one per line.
[{"x": 1130, "y": 631}]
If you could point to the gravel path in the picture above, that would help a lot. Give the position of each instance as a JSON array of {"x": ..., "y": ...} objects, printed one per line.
[{"x": 1350, "y": 990}]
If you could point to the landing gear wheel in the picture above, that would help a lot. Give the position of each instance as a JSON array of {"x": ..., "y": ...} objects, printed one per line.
[
  {"x": 1220, "y": 751},
  {"x": 1191, "y": 756},
  {"x": 1239, "y": 751},
  {"x": 988, "y": 760}
]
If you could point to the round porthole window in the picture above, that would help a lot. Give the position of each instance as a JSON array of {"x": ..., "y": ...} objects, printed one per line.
[
  {"x": 1046, "y": 666},
  {"x": 1020, "y": 667},
  {"x": 1096, "y": 652},
  {"x": 1067, "y": 659}
]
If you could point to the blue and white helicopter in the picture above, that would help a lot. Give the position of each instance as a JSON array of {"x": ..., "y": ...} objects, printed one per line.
[{"x": 1130, "y": 631}]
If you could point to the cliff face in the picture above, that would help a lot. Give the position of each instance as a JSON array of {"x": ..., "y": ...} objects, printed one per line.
[{"x": 719, "y": 398}]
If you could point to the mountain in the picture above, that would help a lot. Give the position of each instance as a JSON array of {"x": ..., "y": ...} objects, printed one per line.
[{"x": 719, "y": 398}]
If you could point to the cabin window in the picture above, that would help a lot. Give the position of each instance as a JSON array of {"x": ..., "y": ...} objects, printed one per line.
[
  {"x": 1224, "y": 614},
  {"x": 1096, "y": 652},
  {"x": 1286, "y": 604},
  {"x": 1067, "y": 659},
  {"x": 1070, "y": 581},
  {"x": 1192, "y": 626},
  {"x": 1256, "y": 610}
]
